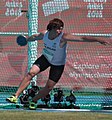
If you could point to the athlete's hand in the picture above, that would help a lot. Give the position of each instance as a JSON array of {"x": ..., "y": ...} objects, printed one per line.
[
  {"x": 106, "y": 42},
  {"x": 103, "y": 42}
]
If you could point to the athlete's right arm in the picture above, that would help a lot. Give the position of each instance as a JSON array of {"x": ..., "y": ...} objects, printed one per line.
[{"x": 36, "y": 36}]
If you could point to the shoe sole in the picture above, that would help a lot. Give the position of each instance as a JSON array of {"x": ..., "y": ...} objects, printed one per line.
[
  {"x": 32, "y": 108},
  {"x": 10, "y": 101}
]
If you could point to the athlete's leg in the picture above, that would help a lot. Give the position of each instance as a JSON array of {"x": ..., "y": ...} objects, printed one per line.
[
  {"x": 25, "y": 82},
  {"x": 44, "y": 91},
  {"x": 27, "y": 79},
  {"x": 40, "y": 65},
  {"x": 54, "y": 76}
]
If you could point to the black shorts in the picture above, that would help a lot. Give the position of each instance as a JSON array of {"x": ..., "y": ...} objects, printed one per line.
[{"x": 55, "y": 70}]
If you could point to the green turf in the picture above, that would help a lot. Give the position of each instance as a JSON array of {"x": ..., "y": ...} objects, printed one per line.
[{"x": 26, "y": 115}]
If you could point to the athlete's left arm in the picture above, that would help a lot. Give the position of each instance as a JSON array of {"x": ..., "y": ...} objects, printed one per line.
[{"x": 71, "y": 37}]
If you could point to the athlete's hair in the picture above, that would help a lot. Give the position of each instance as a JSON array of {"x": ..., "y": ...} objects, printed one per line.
[{"x": 55, "y": 23}]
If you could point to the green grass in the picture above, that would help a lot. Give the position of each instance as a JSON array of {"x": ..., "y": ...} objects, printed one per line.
[{"x": 26, "y": 115}]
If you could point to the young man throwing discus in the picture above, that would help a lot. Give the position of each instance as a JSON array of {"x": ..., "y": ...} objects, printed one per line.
[{"x": 53, "y": 56}]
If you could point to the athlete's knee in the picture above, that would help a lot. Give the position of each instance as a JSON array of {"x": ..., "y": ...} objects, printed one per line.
[{"x": 30, "y": 74}]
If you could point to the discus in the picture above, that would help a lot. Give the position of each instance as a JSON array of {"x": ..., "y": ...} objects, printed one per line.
[{"x": 21, "y": 40}]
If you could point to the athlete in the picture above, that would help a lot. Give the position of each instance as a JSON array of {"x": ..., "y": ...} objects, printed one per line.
[{"x": 53, "y": 56}]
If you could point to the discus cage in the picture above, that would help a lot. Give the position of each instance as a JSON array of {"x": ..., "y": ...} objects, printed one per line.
[{"x": 87, "y": 80}]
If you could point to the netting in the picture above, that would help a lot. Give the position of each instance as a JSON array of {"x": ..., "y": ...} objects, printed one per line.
[{"x": 88, "y": 68}]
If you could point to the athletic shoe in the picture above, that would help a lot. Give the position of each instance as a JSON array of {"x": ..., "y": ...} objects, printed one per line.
[
  {"x": 12, "y": 99},
  {"x": 32, "y": 106}
]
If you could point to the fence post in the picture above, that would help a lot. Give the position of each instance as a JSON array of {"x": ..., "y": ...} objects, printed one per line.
[{"x": 32, "y": 29}]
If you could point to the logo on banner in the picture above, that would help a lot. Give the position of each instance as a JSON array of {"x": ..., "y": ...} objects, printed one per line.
[{"x": 55, "y": 6}]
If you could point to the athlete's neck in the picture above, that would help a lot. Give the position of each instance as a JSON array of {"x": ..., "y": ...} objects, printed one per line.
[{"x": 53, "y": 34}]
